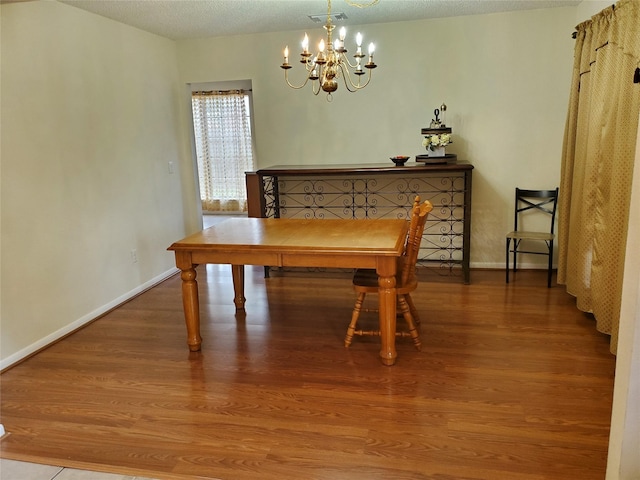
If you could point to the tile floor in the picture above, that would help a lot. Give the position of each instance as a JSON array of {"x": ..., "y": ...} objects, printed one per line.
[
  {"x": 213, "y": 219},
  {"x": 13, "y": 470}
]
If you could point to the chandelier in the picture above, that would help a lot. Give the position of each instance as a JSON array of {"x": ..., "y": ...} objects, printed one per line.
[{"x": 330, "y": 63}]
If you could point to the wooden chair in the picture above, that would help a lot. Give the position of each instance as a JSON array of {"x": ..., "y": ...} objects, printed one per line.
[
  {"x": 528, "y": 201},
  {"x": 366, "y": 280}
]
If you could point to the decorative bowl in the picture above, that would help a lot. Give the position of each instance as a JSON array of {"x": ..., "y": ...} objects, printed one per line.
[{"x": 399, "y": 160}]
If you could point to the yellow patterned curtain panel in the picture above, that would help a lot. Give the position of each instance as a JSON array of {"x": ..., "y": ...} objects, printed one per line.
[
  {"x": 224, "y": 148},
  {"x": 598, "y": 161}
]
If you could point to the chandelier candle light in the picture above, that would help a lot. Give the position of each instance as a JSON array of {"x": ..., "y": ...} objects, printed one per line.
[{"x": 330, "y": 63}]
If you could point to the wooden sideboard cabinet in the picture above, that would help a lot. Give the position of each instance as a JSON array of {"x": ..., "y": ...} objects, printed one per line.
[{"x": 375, "y": 191}]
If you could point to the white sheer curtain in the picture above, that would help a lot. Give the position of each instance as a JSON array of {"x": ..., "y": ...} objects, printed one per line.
[{"x": 224, "y": 149}]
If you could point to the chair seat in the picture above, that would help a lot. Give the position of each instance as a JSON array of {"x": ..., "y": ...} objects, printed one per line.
[
  {"x": 366, "y": 279},
  {"x": 540, "y": 202},
  {"x": 531, "y": 235}
]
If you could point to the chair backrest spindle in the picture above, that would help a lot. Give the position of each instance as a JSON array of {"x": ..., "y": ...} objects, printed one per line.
[
  {"x": 545, "y": 201},
  {"x": 419, "y": 213}
]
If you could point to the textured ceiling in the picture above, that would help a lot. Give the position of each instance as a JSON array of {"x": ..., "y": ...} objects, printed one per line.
[{"x": 181, "y": 19}]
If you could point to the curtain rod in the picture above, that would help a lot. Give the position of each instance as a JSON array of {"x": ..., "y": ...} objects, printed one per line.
[
  {"x": 219, "y": 92},
  {"x": 574, "y": 35}
]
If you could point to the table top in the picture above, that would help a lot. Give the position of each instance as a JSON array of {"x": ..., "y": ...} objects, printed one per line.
[
  {"x": 320, "y": 236},
  {"x": 345, "y": 169}
]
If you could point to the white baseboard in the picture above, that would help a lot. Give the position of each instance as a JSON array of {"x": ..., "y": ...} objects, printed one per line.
[
  {"x": 501, "y": 266},
  {"x": 55, "y": 336}
]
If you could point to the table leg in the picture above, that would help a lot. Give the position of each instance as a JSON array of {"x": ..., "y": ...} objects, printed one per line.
[
  {"x": 238, "y": 286},
  {"x": 387, "y": 306},
  {"x": 191, "y": 306}
]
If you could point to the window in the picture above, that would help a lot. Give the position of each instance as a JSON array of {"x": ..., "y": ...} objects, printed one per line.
[{"x": 224, "y": 148}]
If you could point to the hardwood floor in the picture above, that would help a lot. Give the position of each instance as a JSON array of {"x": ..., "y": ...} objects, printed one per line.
[{"x": 512, "y": 382}]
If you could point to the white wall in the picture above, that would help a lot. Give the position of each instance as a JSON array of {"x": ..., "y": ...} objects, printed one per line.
[
  {"x": 89, "y": 123},
  {"x": 624, "y": 442},
  {"x": 505, "y": 78},
  {"x": 587, "y": 8}
]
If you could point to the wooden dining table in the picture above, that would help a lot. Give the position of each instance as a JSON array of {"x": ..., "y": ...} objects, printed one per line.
[{"x": 282, "y": 242}]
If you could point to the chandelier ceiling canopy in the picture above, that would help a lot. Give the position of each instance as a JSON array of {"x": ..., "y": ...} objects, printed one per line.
[{"x": 324, "y": 68}]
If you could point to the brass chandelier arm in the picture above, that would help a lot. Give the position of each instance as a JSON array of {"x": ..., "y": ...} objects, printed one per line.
[
  {"x": 315, "y": 90},
  {"x": 345, "y": 59},
  {"x": 286, "y": 77},
  {"x": 348, "y": 83}
]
